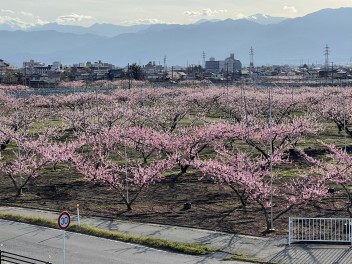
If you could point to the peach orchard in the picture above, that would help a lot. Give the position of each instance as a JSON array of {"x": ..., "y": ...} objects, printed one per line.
[{"x": 237, "y": 136}]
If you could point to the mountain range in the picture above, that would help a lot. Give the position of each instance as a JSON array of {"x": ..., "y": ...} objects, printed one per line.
[{"x": 275, "y": 41}]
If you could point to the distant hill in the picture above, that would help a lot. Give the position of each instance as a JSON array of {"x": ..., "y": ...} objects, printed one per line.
[
  {"x": 106, "y": 30},
  {"x": 17, "y": 46},
  {"x": 288, "y": 42}
]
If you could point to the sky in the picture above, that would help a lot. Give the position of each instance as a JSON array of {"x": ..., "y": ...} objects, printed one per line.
[{"x": 128, "y": 12}]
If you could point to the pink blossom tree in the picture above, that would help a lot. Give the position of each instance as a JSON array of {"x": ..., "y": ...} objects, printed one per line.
[
  {"x": 146, "y": 142},
  {"x": 332, "y": 104},
  {"x": 73, "y": 84},
  {"x": 336, "y": 169},
  {"x": 104, "y": 160},
  {"x": 188, "y": 143},
  {"x": 251, "y": 180},
  {"x": 30, "y": 156},
  {"x": 16, "y": 114},
  {"x": 12, "y": 88}
]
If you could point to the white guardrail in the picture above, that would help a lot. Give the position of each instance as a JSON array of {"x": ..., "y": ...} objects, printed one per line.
[{"x": 337, "y": 230}]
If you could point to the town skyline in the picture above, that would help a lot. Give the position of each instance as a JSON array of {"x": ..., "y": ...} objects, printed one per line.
[{"x": 294, "y": 41}]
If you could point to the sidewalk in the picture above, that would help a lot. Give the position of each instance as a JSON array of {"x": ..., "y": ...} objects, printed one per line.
[{"x": 269, "y": 249}]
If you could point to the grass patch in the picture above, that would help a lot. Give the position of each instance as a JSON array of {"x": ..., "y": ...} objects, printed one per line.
[
  {"x": 42, "y": 125},
  {"x": 245, "y": 258},
  {"x": 185, "y": 248},
  {"x": 34, "y": 220}
]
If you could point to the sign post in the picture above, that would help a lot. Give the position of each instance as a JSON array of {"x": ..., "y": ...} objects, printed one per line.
[
  {"x": 78, "y": 220},
  {"x": 64, "y": 222}
]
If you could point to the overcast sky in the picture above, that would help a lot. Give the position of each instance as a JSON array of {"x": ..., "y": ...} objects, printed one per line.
[{"x": 127, "y": 12}]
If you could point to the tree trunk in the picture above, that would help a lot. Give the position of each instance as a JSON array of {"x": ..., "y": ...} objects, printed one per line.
[
  {"x": 240, "y": 196},
  {"x": 129, "y": 206},
  {"x": 349, "y": 210},
  {"x": 19, "y": 191},
  {"x": 267, "y": 220},
  {"x": 129, "y": 202},
  {"x": 174, "y": 179},
  {"x": 4, "y": 144},
  {"x": 349, "y": 205}
]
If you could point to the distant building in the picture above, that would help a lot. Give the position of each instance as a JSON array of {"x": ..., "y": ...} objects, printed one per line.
[
  {"x": 115, "y": 74},
  {"x": 213, "y": 65},
  {"x": 57, "y": 66},
  {"x": 29, "y": 67},
  {"x": 230, "y": 65},
  {"x": 152, "y": 68},
  {"x": 3, "y": 67}
]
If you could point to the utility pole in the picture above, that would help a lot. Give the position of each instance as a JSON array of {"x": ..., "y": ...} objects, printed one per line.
[
  {"x": 271, "y": 161},
  {"x": 332, "y": 73},
  {"x": 344, "y": 121},
  {"x": 129, "y": 76},
  {"x": 227, "y": 76},
  {"x": 25, "y": 74},
  {"x": 172, "y": 73},
  {"x": 233, "y": 73}
]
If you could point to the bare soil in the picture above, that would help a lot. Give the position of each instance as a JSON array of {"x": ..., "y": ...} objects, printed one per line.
[{"x": 213, "y": 207}]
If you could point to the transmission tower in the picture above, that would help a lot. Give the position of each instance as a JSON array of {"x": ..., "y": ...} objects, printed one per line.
[
  {"x": 203, "y": 56},
  {"x": 251, "y": 62},
  {"x": 165, "y": 63},
  {"x": 326, "y": 54}
]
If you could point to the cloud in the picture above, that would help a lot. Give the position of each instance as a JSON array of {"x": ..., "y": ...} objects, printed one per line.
[
  {"x": 290, "y": 9},
  {"x": 7, "y": 11},
  {"x": 205, "y": 12},
  {"x": 20, "y": 19},
  {"x": 14, "y": 22},
  {"x": 191, "y": 13},
  {"x": 26, "y": 14},
  {"x": 23, "y": 20},
  {"x": 240, "y": 16},
  {"x": 72, "y": 18},
  {"x": 144, "y": 21}
]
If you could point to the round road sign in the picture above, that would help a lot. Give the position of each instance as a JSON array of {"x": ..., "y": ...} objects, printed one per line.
[{"x": 64, "y": 220}]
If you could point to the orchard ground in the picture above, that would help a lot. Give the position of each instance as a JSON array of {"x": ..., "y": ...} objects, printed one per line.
[{"x": 213, "y": 207}]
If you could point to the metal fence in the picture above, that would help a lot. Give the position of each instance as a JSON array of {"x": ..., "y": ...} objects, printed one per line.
[
  {"x": 7, "y": 257},
  {"x": 320, "y": 230}
]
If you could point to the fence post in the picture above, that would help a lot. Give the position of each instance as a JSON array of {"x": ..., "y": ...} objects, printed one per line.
[
  {"x": 289, "y": 231},
  {"x": 350, "y": 230}
]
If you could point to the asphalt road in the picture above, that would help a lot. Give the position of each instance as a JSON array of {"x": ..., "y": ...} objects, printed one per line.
[
  {"x": 41, "y": 242},
  {"x": 46, "y": 243}
]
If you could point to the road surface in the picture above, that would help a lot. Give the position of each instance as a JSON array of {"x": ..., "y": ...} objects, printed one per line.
[{"x": 46, "y": 244}]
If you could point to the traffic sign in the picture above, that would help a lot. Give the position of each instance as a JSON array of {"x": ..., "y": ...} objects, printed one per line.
[{"x": 64, "y": 220}]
